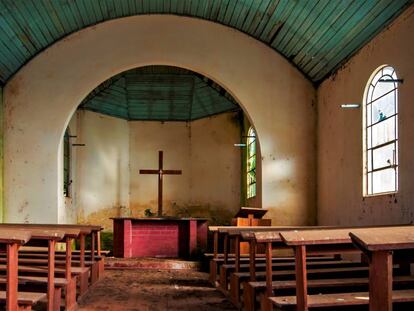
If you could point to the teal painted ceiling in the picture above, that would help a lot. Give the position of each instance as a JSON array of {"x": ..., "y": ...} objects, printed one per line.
[
  {"x": 159, "y": 93},
  {"x": 317, "y": 36}
]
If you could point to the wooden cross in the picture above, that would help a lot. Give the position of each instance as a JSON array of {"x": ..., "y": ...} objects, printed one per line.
[{"x": 160, "y": 172}]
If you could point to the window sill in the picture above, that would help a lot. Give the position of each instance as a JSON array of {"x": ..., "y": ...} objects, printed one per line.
[{"x": 382, "y": 194}]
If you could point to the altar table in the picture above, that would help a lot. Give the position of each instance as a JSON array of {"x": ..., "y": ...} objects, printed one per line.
[{"x": 159, "y": 236}]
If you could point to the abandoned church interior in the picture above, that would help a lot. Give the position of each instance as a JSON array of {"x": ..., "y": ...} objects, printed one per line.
[{"x": 206, "y": 154}]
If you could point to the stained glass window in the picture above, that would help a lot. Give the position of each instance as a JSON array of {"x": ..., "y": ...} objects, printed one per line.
[
  {"x": 381, "y": 133},
  {"x": 251, "y": 163},
  {"x": 66, "y": 164}
]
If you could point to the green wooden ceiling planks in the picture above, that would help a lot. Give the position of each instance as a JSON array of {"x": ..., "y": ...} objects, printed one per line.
[
  {"x": 161, "y": 93},
  {"x": 317, "y": 36}
]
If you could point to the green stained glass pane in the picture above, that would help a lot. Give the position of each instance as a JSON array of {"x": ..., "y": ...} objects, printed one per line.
[
  {"x": 251, "y": 163},
  {"x": 252, "y": 148}
]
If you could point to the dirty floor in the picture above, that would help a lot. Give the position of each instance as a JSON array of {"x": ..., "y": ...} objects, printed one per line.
[{"x": 153, "y": 290}]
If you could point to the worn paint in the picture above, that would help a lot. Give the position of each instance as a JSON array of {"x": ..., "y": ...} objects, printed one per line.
[
  {"x": 102, "y": 170},
  {"x": 340, "y": 163},
  {"x": 274, "y": 95},
  {"x": 203, "y": 150}
]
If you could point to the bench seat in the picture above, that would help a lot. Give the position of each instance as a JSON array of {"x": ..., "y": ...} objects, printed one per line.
[
  {"x": 252, "y": 289},
  {"x": 226, "y": 270},
  {"x": 24, "y": 298},
  {"x": 60, "y": 282},
  {"x": 241, "y": 277},
  {"x": 341, "y": 299}
]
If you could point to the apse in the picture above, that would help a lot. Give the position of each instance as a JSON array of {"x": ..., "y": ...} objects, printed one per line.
[{"x": 123, "y": 127}]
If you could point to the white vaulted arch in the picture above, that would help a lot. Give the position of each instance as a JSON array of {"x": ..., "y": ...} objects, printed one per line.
[{"x": 42, "y": 96}]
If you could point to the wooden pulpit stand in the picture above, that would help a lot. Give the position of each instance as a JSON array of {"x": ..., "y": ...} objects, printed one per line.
[{"x": 250, "y": 217}]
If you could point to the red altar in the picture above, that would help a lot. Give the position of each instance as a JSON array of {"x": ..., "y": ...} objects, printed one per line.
[{"x": 159, "y": 236}]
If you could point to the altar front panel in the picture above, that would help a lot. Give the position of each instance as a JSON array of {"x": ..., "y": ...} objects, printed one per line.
[{"x": 158, "y": 237}]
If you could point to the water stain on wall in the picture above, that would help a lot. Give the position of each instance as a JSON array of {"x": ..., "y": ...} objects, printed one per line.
[{"x": 216, "y": 214}]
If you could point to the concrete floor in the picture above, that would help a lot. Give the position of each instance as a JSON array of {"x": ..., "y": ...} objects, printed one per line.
[{"x": 142, "y": 290}]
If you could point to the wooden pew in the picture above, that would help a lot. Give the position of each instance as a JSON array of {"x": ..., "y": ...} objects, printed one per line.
[
  {"x": 316, "y": 242},
  {"x": 379, "y": 244},
  {"x": 97, "y": 266},
  {"x": 229, "y": 234},
  {"x": 49, "y": 237},
  {"x": 33, "y": 272},
  {"x": 10, "y": 241},
  {"x": 220, "y": 232},
  {"x": 239, "y": 278}
]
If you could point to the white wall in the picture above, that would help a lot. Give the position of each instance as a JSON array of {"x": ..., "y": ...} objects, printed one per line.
[
  {"x": 42, "y": 96},
  {"x": 204, "y": 150},
  {"x": 102, "y": 184},
  {"x": 107, "y": 182},
  {"x": 68, "y": 212},
  {"x": 340, "y": 167}
]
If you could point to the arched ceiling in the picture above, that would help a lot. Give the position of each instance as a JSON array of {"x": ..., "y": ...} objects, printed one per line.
[
  {"x": 159, "y": 93},
  {"x": 317, "y": 36}
]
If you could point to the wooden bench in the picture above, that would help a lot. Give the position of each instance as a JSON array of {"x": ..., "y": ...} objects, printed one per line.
[
  {"x": 379, "y": 244},
  {"x": 97, "y": 268},
  {"x": 222, "y": 232},
  {"x": 47, "y": 238},
  {"x": 247, "y": 235},
  {"x": 10, "y": 241},
  {"x": 315, "y": 241},
  {"x": 240, "y": 279},
  {"x": 337, "y": 300},
  {"x": 67, "y": 235},
  {"x": 230, "y": 234},
  {"x": 274, "y": 239},
  {"x": 254, "y": 290}
]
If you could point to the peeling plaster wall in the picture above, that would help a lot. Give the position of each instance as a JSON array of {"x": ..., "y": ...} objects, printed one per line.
[
  {"x": 102, "y": 182},
  {"x": 41, "y": 98},
  {"x": 340, "y": 167},
  {"x": 68, "y": 209},
  {"x": 210, "y": 182}
]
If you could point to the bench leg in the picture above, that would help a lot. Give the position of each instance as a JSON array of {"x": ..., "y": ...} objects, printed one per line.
[
  {"x": 235, "y": 289},
  {"x": 70, "y": 294},
  {"x": 223, "y": 279},
  {"x": 101, "y": 265},
  {"x": 83, "y": 283},
  {"x": 213, "y": 272},
  {"x": 57, "y": 298},
  {"x": 249, "y": 297},
  {"x": 94, "y": 272},
  {"x": 380, "y": 281},
  {"x": 266, "y": 304}
]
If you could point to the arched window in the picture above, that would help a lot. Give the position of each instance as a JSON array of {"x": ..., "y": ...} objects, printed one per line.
[
  {"x": 381, "y": 132},
  {"x": 251, "y": 163},
  {"x": 66, "y": 164}
]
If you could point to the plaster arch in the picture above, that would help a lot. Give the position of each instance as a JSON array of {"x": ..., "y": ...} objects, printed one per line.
[{"x": 42, "y": 96}]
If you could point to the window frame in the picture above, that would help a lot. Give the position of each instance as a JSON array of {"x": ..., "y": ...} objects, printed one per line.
[
  {"x": 251, "y": 187},
  {"x": 67, "y": 158},
  {"x": 369, "y": 148}
]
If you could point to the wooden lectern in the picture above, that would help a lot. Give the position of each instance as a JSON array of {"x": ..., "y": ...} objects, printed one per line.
[{"x": 250, "y": 217}]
